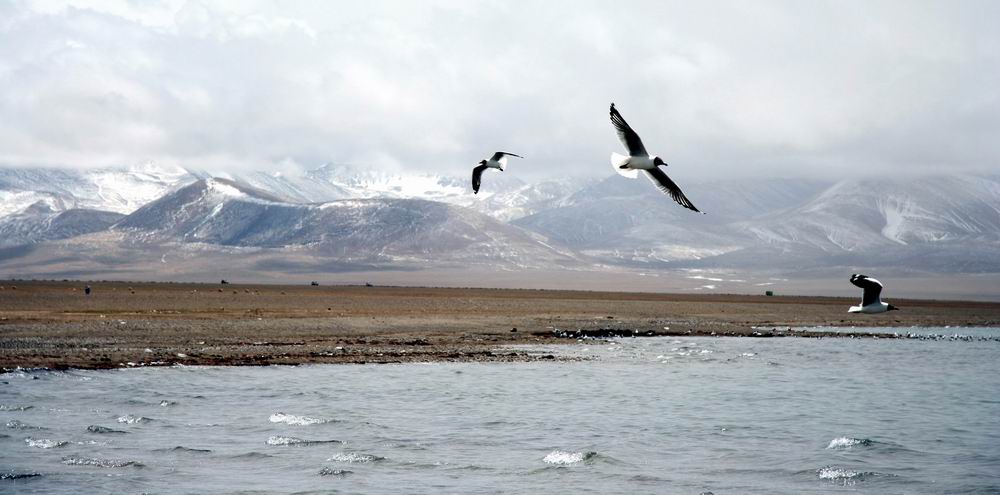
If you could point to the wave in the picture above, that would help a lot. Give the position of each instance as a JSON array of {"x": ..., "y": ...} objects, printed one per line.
[
  {"x": 13, "y": 475},
  {"x": 105, "y": 463},
  {"x": 167, "y": 403},
  {"x": 291, "y": 419},
  {"x": 252, "y": 455},
  {"x": 280, "y": 440},
  {"x": 7, "y": 407},
  {"x": 181, "y": 448},
  {"x": 132, "y": 419},
  {"x": 846, "y": 476},
  {"x": 334, "y": 472},
  {"x": 103, "y": 429},
  {"x": 355, "y": 457},
  {"x": 848, "y": 442},
  {"x": 17, "y": 425},
  {"x": 563, "y": 458},
  {"x": 44, "y": 443}
]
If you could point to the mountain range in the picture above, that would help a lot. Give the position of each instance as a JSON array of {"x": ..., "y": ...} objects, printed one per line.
[{"x": 336, "y": 219}]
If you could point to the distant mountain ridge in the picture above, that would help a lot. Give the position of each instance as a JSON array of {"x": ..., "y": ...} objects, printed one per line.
[
  {"x": 346, "y": 216},
  {"x": 125, "y": 189},
  {"x": 378, "y": 230}
]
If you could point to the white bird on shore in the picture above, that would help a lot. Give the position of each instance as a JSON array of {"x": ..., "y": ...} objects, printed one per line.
[
  {"x": 497, "y": 161},
  {"x": 639, "y": 159},
  {"x": 870, "y": 300}
]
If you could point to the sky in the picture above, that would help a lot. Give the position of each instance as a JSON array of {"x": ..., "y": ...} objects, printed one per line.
[{"x": 718, "y": 89}]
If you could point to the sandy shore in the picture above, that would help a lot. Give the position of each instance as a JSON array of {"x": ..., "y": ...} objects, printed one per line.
[{"x": 54, "y": 325}]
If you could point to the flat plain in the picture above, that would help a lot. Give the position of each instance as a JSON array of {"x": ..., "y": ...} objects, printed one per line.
[{"x": 122, "y": 324}]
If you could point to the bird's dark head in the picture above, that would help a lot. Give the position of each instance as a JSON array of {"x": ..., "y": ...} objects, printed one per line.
[
  {"x": 659, "y": 161},
  {"x": 482, "y": 162},
  {"x": 892, "y": 308}
]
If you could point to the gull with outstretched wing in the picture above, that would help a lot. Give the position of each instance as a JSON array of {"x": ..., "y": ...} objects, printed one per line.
[
  {"x": 638, "y": 159},
  {"x": 497, "y": 161}
]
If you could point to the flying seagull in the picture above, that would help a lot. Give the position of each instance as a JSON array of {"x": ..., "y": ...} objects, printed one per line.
[
  {"x": 639, "y": 159},
  {"x": 870, "y": 301},
  {"x": 498, "y": 160}
]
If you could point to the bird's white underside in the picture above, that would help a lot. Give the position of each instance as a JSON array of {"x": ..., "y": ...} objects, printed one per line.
[
  {"x": 617, "y": 161},
  {"x": 878, "y": 307}
]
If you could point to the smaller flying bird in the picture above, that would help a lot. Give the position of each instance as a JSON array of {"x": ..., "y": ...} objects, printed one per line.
[
  {"x": 870, "y": 300},
  {"x": 639, "y": 159},
  {"x": 498, "y": 161}
]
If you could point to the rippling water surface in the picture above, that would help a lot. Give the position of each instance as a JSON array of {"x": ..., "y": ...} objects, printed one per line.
[{"x": 654, "y": 415}]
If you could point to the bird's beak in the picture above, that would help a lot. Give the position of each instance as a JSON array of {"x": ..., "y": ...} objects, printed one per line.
[{"x": 501, "y": 169}]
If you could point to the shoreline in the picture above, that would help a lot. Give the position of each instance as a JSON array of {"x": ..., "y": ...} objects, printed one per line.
[{"x": 53, "y": 325}]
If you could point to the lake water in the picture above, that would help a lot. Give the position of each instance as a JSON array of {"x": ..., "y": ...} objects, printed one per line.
[{"x": 646, "y": 415}]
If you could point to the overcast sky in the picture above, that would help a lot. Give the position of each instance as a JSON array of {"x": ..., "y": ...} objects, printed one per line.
[{"x": 716, "y": 89}]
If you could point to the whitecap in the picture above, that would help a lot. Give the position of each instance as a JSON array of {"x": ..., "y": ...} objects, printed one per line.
[
  {"x": 102, "y": 429},
  {"x": 167, "y": 403},
  {"x": 291, "y": 419},
  {"x": 17, "y": 425},
  {"x": 563, "y": 458},
  {"x": 280, "y": 440},
  {"x": 14, "y": 475},
  {"x": 43, "y": 443},
  {"x": 93, "y": 461},
  {"x": 355, "y": 457},
  {"x": 7, "y": 407},
  {"x": 845, "y": 476},
  {"x": 848, "y": 442},
  {"x": 334, "y": 472},
  {"x": 132, "y": 419}
]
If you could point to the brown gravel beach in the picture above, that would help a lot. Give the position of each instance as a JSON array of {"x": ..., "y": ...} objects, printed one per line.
[{"x": 55, "y": 325}]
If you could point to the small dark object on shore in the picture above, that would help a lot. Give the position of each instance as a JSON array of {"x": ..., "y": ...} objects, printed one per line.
[
  {"x": 224, "y": 282},
  {"x": 86, "y": 290},
  {"x": 367, "y": 284},
  {"x": 769, "y": 293},
  {"x": 513, "y": 330},
  {"x": 314, "y": 283}
]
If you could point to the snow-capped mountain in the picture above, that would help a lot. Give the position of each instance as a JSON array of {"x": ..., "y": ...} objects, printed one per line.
[
  {"x": 121, "y": 190},
  {"x": 346, "y": 214},
  {"x": 40, "y": 222},
  {"x": 382, "y": 230},
  {"x": 505, "y": 198},
  {"x": 859, "y": 215},
  {"x": 628, "y": 221},
  {"x": 125, "y": 189}
]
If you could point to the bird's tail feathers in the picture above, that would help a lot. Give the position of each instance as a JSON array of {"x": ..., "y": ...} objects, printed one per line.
[{"x": 616, "y": 163}]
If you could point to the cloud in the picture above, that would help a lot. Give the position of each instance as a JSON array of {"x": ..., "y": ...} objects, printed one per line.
[{"x": 718, "y": 88}]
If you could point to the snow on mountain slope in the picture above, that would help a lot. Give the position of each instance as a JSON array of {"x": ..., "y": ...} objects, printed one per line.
[
  {"x": 504, "y": 196},
  {"x": 629, "y": 221},
  {"x": 125, "y": 189},
  {"x": 40, "y": 222},
  {"x": 858, "y": 215},
  {"x": 379, "y": 230},
  {"x": 121, "y": 190}
]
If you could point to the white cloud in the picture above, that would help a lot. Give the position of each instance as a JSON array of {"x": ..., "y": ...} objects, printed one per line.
[{"x": 716, "y": 88}]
